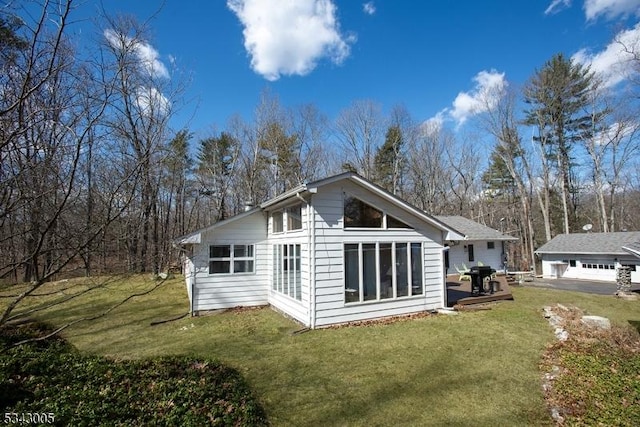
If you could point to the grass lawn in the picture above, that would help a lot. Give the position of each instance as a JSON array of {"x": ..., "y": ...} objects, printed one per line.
[{"x": 477, "y": 368}]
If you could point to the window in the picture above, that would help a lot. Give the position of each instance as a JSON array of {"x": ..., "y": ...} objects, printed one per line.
[
  {"x": 358, "y": 214},
  {"x": 395, "y": 223},
  {"x": 287, "y": 269},
  {"x": 572, "y": 263},
  {"x": 491, "y": 245},
  {"x": 294, "y": 218},
  {"x": 277, "y": 221},
  {"x": 227, "y": 259},
  {"x": 379, "y": 271},
  {"x": 470, "y": 250}
]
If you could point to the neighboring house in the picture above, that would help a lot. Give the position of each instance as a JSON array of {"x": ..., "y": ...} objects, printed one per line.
[
  {"x": 593, "y": 256},
  {"x": 482, "y": 244},
  {"x": 336, "y": 250}
]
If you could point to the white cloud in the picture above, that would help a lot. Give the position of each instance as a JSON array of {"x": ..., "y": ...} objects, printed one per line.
[
  {"x": 610, "y": 8},
  {"x": 433, "y": 125},
  {"x": 485, "y": 95},
  {"x": 615, "y": 132},
  {"x": 152, "y": 102},
  {"x": 557, "y": 5},
  {"x": 289, "y": 37},
  {"x": 148, "y": 56},
  {"x": 615, "y": 62},
  {"x": 369, "y": 8}
]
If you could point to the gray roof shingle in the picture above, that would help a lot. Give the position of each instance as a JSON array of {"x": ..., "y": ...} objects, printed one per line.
[
  {"x": 472, "y": 229},
  {"x": 590, "y": 243}
]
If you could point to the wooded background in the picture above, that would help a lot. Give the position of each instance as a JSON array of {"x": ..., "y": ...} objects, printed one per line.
[{"x": 97, "y": 177}]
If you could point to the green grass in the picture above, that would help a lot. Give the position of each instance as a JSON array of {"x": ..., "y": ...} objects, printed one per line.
[{"x": 477, "y": 368}]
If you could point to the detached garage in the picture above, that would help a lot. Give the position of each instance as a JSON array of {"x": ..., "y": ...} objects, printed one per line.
[{"x": 590, "y": 256}]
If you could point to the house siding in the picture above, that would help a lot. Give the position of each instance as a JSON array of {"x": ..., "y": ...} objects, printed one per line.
[
  {"x": 217, "y": 291},
  {"x": 330, "y": 236},
  {"x": 581, "y": 272},
  {"x": 459, "y": 255}
]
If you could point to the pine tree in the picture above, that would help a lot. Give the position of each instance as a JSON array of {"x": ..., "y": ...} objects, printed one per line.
[
  {"x": 389, "y": 160},
  {"x": 558, "y": 95}
]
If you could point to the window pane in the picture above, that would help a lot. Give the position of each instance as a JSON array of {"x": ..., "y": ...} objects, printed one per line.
[
  {"x": 359, "y": 214},
  {"x": 369, "y": 279},
  {"x": 386, "y": 271},
  {"x": 402, "y": 275},
  {"x": 276, "y": 267},
  {"x": 396, "y": 223},
  {"x": 298, "y": 278},
  {"x": 276, "y": 219},
  {"x": 241, "y": 251},
  {"x": 416, "y": 269},
  {"x": 216, "y": 267},
  {"x": 351, "y": 273},
  {"x": 219, "y": 251},
  {"x": 243, "y": 266},
  {"x": 491, "y": 245},
  {"x": 294, "y": 217}
]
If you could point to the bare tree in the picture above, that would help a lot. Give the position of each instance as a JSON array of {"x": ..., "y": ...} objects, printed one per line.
[
  {"x": 426, "y": 168},
  {"x": 501, "y": 122},
  {"x": 139, "y": 114},
  {"x": 359, "y": 129}
]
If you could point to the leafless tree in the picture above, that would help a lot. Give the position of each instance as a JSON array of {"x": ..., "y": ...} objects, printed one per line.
[{"x": 360, "y": 130}]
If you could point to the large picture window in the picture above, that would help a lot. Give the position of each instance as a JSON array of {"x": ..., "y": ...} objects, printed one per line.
[
  {"x": 287, "y": 277},
  {"x": 228, "y": 259},
  {"x": 359, "y": 214},
  {"x": 379, "y": 271}
]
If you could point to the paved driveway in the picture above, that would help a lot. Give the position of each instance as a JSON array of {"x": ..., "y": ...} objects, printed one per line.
[{"x": 588, "y": 286}]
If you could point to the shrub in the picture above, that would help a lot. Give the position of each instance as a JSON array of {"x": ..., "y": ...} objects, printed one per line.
[{"x": 50, "y": 376}]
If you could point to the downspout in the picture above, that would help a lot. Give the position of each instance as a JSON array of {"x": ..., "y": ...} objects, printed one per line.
[
  {"x": 192, "y": 282},
  {"x": 311, "y": 250},
  {"x": 444, "y": 273}
]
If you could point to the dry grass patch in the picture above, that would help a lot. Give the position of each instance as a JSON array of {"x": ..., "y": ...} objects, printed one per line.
[{"x": 596, "y": 373}]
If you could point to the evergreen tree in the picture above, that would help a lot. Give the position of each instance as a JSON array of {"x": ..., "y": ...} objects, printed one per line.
[
  {"x": 216, "y": 163},
  {"x": 389, "y": 160},
  {"x": 558, "y": 95},
  {"x": 281, "y": 153}
]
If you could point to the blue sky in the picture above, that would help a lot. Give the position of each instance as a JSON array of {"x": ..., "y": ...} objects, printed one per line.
[{"x": 432, "y": 57}]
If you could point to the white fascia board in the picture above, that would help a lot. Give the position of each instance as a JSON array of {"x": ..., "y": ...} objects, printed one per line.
[{"x": 632, "y": 251}]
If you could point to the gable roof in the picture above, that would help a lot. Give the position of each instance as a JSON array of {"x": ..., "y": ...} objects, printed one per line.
[
  {"x": 473, "y": 230},
  {"x": 307, "y": 189},
  {"x": 633, "y": 248},
  {"x": 312, "y": 187},
  {"x": 590, "y": 243},
  {"x": 196, "y": 236}
]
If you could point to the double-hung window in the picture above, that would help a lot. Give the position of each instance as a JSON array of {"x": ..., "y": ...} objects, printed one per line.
[{"x": 231, "y": 259}]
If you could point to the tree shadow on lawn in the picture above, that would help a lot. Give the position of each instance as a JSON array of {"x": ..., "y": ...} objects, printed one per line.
[{"x": 393, "y": 402}]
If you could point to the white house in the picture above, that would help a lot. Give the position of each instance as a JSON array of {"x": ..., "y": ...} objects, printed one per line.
[
  {"x": 481, "y": 244},
  {"x": 336, "y": 250},
  {"x": 594, "y": 256}
]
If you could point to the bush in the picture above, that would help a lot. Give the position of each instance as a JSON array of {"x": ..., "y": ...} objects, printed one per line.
[{"x": 50, "y": 376}]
